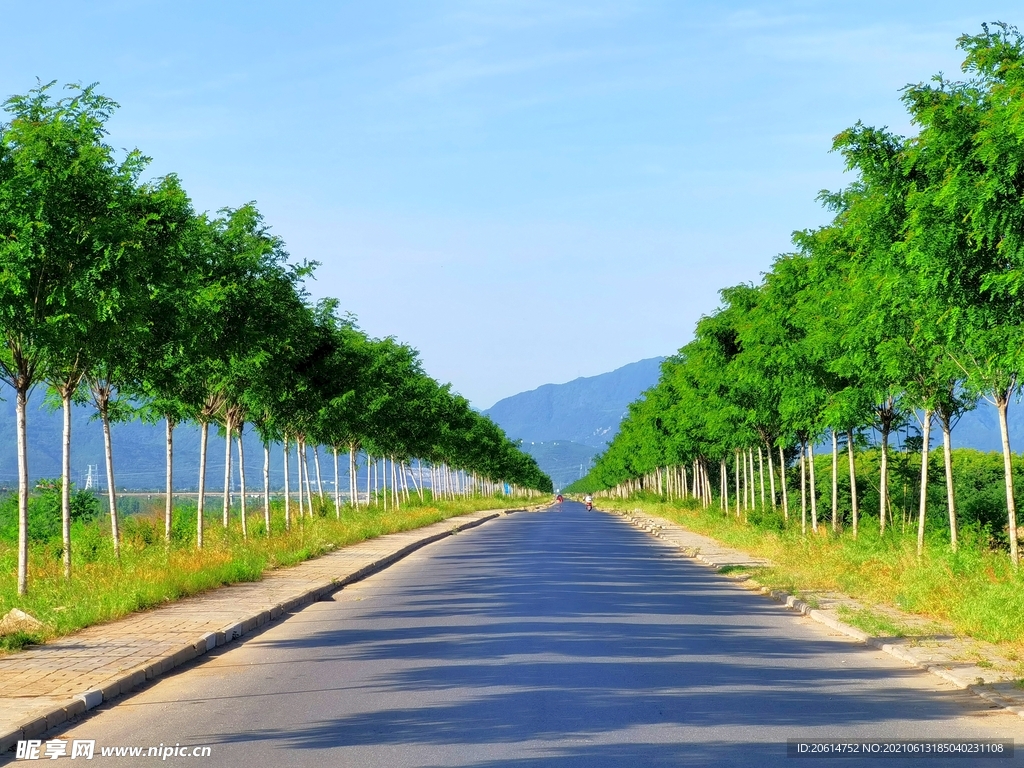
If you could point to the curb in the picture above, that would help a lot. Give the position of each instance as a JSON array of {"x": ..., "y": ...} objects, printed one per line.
[
  {"x": 133, "y": 678},
  {"x": 794, "y": 603}
]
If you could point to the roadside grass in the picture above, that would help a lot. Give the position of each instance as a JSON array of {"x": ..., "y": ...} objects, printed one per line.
[
  {"x": 151, "y": 573},
  {"x": 975, "y": 590}
]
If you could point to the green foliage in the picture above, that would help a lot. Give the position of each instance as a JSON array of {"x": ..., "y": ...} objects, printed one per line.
[{"x": 44, "y": 512}]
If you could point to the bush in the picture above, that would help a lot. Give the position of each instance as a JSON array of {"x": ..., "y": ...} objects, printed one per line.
[{"x": 44, "y": 516}]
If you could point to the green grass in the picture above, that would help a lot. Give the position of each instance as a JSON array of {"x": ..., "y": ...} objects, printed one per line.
[
  {"x": 871, "y": 622},
  {"x": 976, "y": 590},
  {"x": 151, "y": 573}
]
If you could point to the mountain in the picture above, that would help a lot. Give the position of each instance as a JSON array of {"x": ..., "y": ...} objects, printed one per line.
[
  {"x": 563, "y": 426},
  {"x": 585, "y": 410}
]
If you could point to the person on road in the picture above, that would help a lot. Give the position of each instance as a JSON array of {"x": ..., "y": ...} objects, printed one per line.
[
  {"x": 559, "y": 498},
  {"x": 589, "y": 500}
]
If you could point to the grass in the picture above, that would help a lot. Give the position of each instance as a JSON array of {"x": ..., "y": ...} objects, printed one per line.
[
  {"x": 151, "y": 573},
  {"x": 875, "y": 624},
  {"x": 975, "y": 590}
]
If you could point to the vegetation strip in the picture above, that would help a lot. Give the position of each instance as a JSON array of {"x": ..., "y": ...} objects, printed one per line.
[
  {"x": 1001, "y": 690},
  {"x": 235, "y": 612}
]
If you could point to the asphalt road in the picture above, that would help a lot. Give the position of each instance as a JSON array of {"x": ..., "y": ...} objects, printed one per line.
[{"x": 561, "y": 638}]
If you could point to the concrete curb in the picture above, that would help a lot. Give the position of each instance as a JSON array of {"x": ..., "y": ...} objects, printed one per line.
[
  {"x": 43, "y": 720},
  {"x": 794, "y": 603}
]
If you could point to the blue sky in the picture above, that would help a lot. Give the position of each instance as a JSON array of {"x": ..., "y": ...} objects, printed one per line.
[{"x": 525, "y": 191}]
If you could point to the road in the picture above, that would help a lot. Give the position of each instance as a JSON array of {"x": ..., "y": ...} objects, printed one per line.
[{"x": 556, "y": 638}]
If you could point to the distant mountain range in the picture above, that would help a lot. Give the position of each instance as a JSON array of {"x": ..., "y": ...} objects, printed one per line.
[{"x": 564, "y": 426}]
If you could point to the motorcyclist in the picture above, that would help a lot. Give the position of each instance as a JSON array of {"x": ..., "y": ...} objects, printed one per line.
[
  {"x": 590, "y": 501},
  {"x": 559, "y": 498}
]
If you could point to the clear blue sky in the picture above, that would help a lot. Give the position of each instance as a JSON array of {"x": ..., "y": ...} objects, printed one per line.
[{"x": 525, "y": 191}]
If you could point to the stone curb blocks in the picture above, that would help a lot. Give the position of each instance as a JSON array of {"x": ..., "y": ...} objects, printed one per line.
[
  {"x": 794, "y": 603},
  {"x": 90, "y": 699},
  {"x": 132, "y": 679}
]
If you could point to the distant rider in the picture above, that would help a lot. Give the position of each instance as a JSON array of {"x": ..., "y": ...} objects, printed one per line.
[
  {"x": 590, "y": 501},
  {"x": 559, "y": 498}
]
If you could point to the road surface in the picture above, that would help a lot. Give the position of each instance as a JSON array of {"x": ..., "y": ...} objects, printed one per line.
[{"x": 556, "y": 638}]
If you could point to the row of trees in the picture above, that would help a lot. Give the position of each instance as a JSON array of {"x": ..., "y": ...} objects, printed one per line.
[
  {"x": 115, "y": 291},
  {"x": 908, "y": 306}
]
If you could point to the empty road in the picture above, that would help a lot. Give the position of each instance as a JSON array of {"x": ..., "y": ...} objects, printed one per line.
[{"x": 556, "y": 638}]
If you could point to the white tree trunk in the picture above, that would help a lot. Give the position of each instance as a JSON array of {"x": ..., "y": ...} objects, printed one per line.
[
  {"x": 947, "y": 445},
  {"x": 228, "y": 435},
  {"x": 785, "y": 490},
  {"x": 287, "y": 489},
  {"x": 771, "y": 474},
  {"x": 926, "y": 428},
  {"x": 112, "y": 489},
  {"x": 22, "y": 394},
  {"x": 169, "y": 502},
  {"x": 835, "y": 482},
  {"x": 241, "y": 482},
  {"x": 814, "y": 487},
  {"x": 65, "y": 491},
  {"x": 204, "y": 438},
  {"x": 803, "y": 488},
  {"x": 337, "y": 485},
  {"x": 266, "y": 488},
  {"x": 1002, "y": 403},
  {"x": 853, "y": 481},
  {"x": 319, "y": 481}
]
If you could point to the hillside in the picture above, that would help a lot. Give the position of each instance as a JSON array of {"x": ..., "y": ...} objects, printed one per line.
[
  {"x": 563, "y": 426},
  {"x": 585, "y": 410}
]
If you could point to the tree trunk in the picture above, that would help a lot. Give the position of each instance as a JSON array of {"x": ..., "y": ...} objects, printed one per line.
[
  {"x": 228, "y": 435},
  {"x": 419, "y": 470},
  {"x": 241, "y": 482},
  {"x": 736, "y": 471},
  {"x": 368, "y": 482},
  {"x": 814, "y": 486},
  {"x": 169, "y": 503},
  {"x": 22, "y": 403},
  {"x": 771, "y": 474},
  {"x": 353, "y": 485},
  {"x": 883, "y": 483},
  {"x": 926, "y": 428},
  {"x": 204, "y": 439},
  {"x": 835, "y": 481},
  {"x": 266, "y": 488},
  {"x": 853, "y": 480},
  {"x": 287, "y": 490},
  {"x": 298, "y": 468},
  {"x": 337, "y": 486},
  {"x": 723, "y": 502},
  {"x": 65, "y": 491},
  {"x": 1002, "y": 404},
  {"x": 112, "y": 489},
  {"x": 947, "y": 445},
  {"x": 319, "y": 480},
  {"x": 760, "y": 473},
  {"x": 785, "y": 490},
  {"x": 803, "y": 487}
]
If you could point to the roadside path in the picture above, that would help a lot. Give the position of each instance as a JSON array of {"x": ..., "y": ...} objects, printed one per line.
[{"x": 46, "y": 685}]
